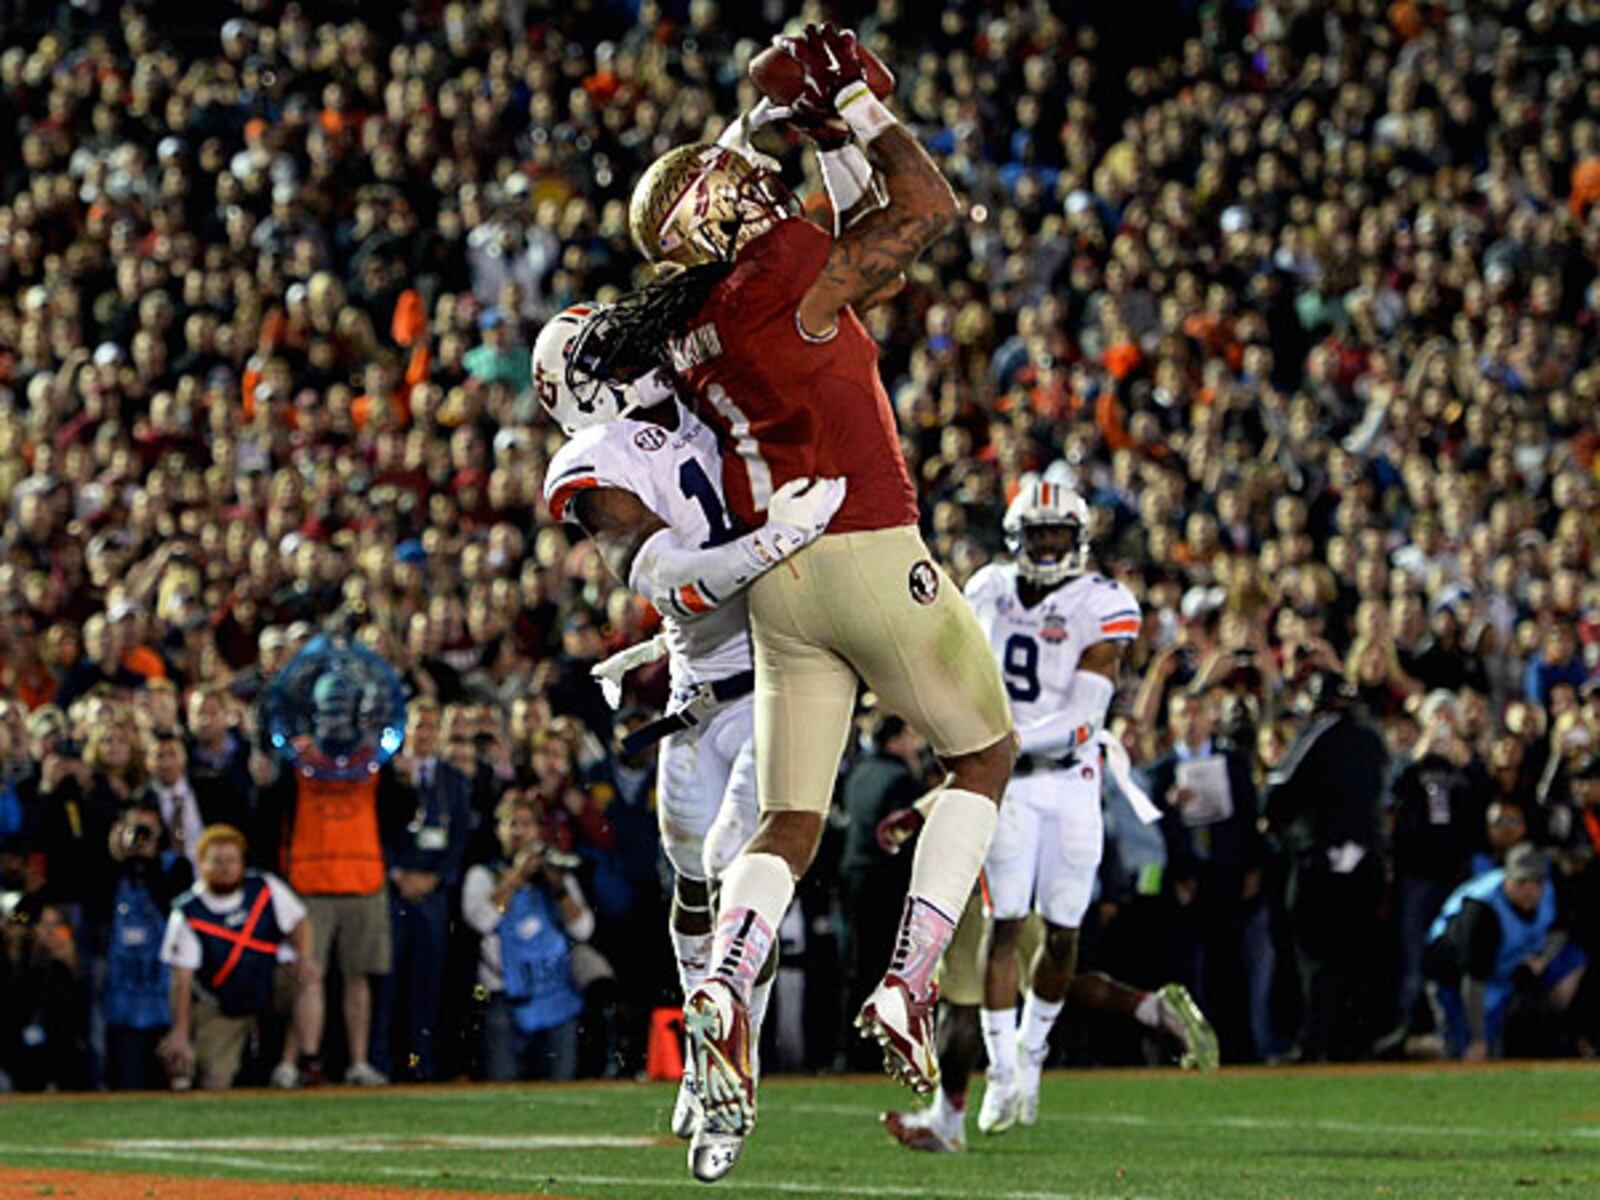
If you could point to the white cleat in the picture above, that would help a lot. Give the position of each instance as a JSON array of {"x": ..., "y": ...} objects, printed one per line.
[
  {"x": 685, "y": 1109},
  {"x": 712, "y": 1155},
  {"x": 1001, "y": 1103},
  {"x": 1029, "y": 1068},
  {"x": 922, "y": 1130},
  {"x": 903, "y": 1026}
]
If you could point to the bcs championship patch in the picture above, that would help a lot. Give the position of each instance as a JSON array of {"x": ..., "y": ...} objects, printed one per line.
[
  {"x": 924, "y": 582},
  {"x": 1055, "y": 628}
]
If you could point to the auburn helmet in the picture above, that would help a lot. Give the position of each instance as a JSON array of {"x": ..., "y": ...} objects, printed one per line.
[
  {"x": 575, "y": 399},
  {"x": 702, "y": 203},
  {"x": 1047, "y": 532}
]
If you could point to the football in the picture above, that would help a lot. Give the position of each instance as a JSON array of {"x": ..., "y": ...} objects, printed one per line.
[{"x": 778, "y": 75}]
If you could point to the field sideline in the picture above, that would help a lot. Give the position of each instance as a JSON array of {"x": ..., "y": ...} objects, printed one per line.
[{"x": 1444, "y": 1131}]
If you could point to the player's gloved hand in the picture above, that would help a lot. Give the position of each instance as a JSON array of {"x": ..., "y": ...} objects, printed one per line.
[
  {"x": 798, "y": 513},
  {"x": 737, "y": 135},
  {"x": 828, "y": 56},
  {"x": 608, "y": 672},
  {"x": 898, "y": 828}
]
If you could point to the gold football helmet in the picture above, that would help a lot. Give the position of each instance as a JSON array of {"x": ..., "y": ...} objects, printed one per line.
[{"x": 703, "y": 203}]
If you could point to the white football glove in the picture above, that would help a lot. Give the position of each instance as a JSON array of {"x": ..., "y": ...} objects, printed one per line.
[
  {"x": 609, "y": 672},
  {"x": 736, "y": 136},
  {"x": 798, "y": 513}
]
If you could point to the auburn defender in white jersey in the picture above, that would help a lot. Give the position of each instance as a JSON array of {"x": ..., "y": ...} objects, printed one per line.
[
  {"x": 642, "y": 476},
  {"x": 1060, "y": 632}
]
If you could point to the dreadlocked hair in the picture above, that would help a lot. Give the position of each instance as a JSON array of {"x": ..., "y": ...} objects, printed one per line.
[{"x": 639, "y": 326}]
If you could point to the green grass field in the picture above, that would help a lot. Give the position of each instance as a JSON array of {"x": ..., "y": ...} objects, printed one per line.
[{"x": 1402, "y": 1132}]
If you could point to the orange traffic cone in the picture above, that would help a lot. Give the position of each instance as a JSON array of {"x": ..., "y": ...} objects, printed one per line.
[{"x": 664, "y": 1054}]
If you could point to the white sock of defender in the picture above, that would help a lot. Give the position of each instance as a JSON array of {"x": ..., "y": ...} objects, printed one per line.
[
  {"x": 1038, "y": 1019},
  {"x": 945, "y": 1114},
  {"x": 755, "y": 894},
  {"x": 693, "y": 952},
  {"x": 1149, "y": 1011},
  {"x": 950, "y": 853},
  {"x": 1000, "y": 1040}
]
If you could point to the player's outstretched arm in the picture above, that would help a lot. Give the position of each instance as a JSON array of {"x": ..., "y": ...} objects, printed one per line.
[
  {"x": 684, "y": 580},
  {"x": 874, "y": 253}
]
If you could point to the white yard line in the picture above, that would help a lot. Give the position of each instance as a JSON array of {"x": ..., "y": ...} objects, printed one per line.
[
  {"x": 1287, "y": 1124},
  {"x": 386, "y": 1142},
  {"x": 560, "y": 1181}
]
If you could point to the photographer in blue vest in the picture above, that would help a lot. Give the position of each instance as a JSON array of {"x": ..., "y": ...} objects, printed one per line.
[
  {"x": 150, "y": 874},
  {"x": 239, "y": 945},
  {"x": 530, "y": 910},
  {"x": 1497, "y": 934}
]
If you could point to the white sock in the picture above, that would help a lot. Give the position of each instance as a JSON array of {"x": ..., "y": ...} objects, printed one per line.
[
  {"x": 1000, "y": 1040},
  {"x": 945, "y": 1114},
  {"x": 755, "y": 894},
  {"x": 951, "y": 849},
  {"x": 1038, "y": 1018},
  {"x": 693, "y": 952},
  {"x": 950, "y": 853},
  {"x": 1149, "y": 1011}
]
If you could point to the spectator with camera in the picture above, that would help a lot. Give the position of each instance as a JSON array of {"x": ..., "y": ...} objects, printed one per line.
[
  {"x": 530, "y": 910},
  {"x": 239, "y": 946},
  {"x": 425, "y": 808},
  {"x": 1439, "y": 804},
  {"x": 150, "y": 874},
  {"x": 44, "y": 1000}
]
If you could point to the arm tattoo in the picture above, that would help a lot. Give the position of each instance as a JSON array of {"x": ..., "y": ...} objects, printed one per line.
[
  {"x": 875, "y": 250},
  {"x": 618, "y": 522}
]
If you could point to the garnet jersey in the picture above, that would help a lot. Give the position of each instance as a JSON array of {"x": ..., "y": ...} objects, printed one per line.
[
  {"x": 1039, "y": 647},
  {"x": 786, "y": 405},
  {"x": 676, "y": 474}
]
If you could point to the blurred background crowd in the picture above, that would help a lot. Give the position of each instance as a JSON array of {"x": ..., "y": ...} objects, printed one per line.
[{"x": 1299, "y": 293}]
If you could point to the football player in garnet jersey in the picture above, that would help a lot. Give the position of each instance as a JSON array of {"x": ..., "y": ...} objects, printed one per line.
[
  {"x": 757, "y": 317},
  {"x": 642, "y": 476}
]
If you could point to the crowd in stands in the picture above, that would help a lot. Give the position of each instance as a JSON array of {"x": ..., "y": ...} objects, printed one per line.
[{"x": 1301, "y": 295}]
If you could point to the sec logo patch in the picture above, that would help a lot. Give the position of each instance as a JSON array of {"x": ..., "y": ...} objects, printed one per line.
[
  {"x": 650, "y": 438},
  {"x": 924, "y": 582}
]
